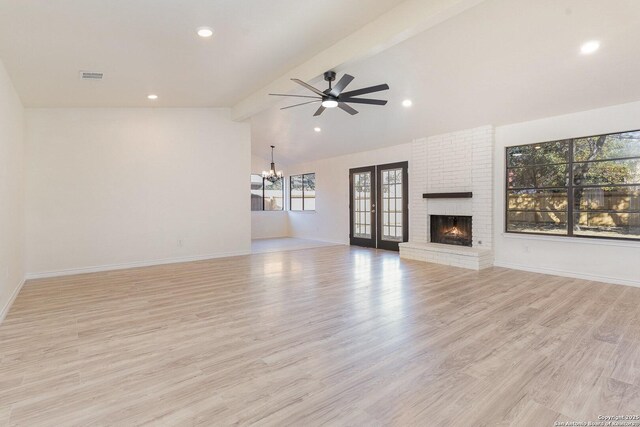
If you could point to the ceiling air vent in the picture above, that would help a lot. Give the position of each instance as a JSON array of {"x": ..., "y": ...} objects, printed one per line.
[{"x": 91, "y": 75}]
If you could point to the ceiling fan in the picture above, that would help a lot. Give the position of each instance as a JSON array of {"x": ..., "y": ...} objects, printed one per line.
[{"x": 335, "y": 97}]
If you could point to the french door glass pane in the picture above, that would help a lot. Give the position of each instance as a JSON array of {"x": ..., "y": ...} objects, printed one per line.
[
  {"x": 391, "y": 187},
  {"x": 362, "y": 205}
]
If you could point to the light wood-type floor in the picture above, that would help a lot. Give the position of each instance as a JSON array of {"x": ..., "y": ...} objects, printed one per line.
[
  {"x": 281, "y": 244},
  {"x": 327, "y": 336}
]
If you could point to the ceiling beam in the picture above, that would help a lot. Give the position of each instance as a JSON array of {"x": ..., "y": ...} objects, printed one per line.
[{"x": 404, "y": 21}]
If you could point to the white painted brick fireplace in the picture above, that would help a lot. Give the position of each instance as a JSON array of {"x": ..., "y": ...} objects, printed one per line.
[{"x": 454, "y": 162}]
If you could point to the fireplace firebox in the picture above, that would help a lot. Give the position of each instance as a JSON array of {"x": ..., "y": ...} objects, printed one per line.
[{"x": 451, "y": 230}]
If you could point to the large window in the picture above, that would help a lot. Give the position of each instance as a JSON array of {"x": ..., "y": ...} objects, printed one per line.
[
  {"x": 266, "y": 196},
  {"x": 583, "y": 187},
  {"x": 302, "y": 192}
]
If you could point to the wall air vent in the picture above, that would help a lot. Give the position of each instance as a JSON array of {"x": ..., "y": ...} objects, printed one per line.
[{"x": 91, "y": 75}]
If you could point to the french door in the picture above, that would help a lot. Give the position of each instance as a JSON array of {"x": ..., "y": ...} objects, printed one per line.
[
  {"x": 362, "y": 206},
  {"x": 379, "y": 206}
]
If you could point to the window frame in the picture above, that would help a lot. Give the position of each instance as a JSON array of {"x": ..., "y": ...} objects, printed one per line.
[
  {"x": 263, "y": 195},
  {"x": 570, "y": 188},
  {"x": 301, "y": 175}
]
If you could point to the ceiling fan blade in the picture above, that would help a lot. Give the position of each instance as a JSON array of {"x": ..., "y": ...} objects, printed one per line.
[
  {"x": 342, "y": 83},
  {"x": 297, "y": 96},
  {"x": 365, "y": 90},
  {"x": 347, "y": 108},
  {"x": 319, "y": 111},
  {"x": 364, "y": 101},
  {"x": 297, "y": 105},
  {"x": 308, "y": 86}
]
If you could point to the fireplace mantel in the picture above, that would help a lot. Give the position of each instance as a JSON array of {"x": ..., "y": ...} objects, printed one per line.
[{"x": 464, "y": 195}]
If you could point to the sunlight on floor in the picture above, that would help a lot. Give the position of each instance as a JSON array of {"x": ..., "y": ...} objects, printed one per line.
[{"x": 279, "y": 244}]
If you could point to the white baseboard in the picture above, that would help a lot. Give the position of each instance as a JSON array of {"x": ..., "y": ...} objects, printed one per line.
[
  {"x": 572, "y": 274},
  {"x": 12, "y": 298},
  {"x": 135, "y": 264},
  {"x": 336, "y": 242}
]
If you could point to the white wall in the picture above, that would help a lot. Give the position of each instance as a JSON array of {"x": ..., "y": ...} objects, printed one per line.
[
  {"x": 121, "y": 187},
  {"x": 268, "y": 224},
  {"x": 605, "y": 260},
  {"x": 11, "y": 192},
  {"x": 330, "y": 221}
]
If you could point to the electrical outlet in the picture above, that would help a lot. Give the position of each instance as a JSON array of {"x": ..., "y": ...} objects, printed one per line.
[
  {"x": 179, "y": 243},
  {"x": 526, "y": 249}
]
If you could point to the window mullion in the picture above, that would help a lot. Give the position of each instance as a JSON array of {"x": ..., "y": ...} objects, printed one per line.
[{"x": 570, "y": 195}]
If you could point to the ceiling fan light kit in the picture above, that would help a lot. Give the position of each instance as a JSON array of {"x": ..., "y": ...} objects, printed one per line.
[
  {"x": 335, "y": 96},
  {"x": 329, "y": 103}
]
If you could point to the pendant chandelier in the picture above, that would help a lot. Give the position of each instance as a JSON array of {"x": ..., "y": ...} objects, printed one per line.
[{"x": 272, "y": 176}]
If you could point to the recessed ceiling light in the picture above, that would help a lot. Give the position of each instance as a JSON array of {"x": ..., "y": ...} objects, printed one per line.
[
  {"x": 152, "y": 97},
  {"x": 589, "y": 47},
  {"x": 317, "y": 129},
  {"x": 205, "y": 32},
  {"x": 407, "y": 103},
  {"x": 329, "y": 103}
]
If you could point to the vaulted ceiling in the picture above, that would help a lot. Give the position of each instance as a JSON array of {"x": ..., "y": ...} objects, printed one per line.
[
  {"x": 151, "y": 46},
  {"x": 463, "y": 63},
  {"x": 500, "y": 62}
]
